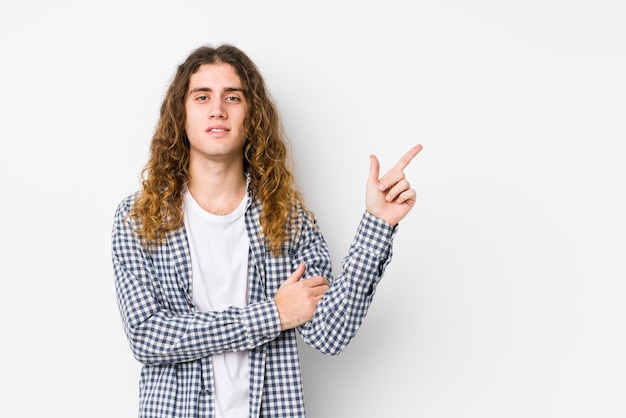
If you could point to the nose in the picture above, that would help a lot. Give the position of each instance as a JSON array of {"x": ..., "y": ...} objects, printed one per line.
[{"x": 216, "y": 109}]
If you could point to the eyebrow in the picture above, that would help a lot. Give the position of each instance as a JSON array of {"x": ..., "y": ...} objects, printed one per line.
[{"x": 227, "y": 89}]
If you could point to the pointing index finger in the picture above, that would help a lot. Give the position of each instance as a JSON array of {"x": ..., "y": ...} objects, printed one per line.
[{"x": 406, "y": 158}]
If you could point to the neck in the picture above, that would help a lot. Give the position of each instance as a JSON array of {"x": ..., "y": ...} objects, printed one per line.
[{"x": 218, "y": 188}]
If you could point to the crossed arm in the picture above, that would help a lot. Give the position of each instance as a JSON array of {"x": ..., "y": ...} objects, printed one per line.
[{"x": 390, "y": 198}]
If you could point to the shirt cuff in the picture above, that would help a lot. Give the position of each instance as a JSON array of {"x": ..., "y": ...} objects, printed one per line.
[
  {"x": 262, "y": 323},
  {"x": 376, "y": 235}
]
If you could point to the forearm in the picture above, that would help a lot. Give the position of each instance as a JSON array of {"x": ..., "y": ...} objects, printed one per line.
[
  {"x": 343, "y": 308},
  {"x": 159, "y": 336},
  {"x": 174, "y": 339}
]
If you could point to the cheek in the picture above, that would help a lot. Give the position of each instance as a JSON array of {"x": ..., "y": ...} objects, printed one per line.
[
  {"x": 243, "y": 117},
  {"x": 191, "y": 119}
]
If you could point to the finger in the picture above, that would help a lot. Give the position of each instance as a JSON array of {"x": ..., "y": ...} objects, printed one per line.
[
  {"x": 390, "y": 179},
  {"x": 318, "y": 290},
  {"x": 408, "y": 196},
  {"x": 319, "y": 295},
  {"x": 316, "y": 281},
  {"x": 297, "y": 274},
  {"x": 406, "y": 158},
  {"x": 374, "y": 169},
  {"x": 399, "y": 188}
]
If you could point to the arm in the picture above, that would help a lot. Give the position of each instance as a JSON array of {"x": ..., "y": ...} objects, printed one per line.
[
  {"x": 341, "y": 311},
  {"x": 160, "y": 322}
]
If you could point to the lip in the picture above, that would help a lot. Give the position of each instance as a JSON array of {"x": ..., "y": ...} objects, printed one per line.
[{"x": 217, "y": 129}]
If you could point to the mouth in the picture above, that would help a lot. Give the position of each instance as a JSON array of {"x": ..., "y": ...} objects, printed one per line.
[{"x": 216, "y": 130}]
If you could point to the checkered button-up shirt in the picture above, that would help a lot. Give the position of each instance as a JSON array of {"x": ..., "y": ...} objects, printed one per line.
[{"x": 174, "y": 341}]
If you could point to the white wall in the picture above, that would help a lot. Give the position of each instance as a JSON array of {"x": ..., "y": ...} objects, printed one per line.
[{"x": 506, "y": 294}]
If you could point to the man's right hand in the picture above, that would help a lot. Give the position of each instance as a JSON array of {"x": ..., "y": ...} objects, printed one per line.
[{"x": 296, "y": 299}]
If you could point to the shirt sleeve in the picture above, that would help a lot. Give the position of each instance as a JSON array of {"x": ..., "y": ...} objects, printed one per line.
[
  {"x": 162, "y": 329},
  {"x": 341, "y": 311}
]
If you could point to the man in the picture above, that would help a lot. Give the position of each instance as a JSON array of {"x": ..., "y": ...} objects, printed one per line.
[{"x": 217, "y": 261}]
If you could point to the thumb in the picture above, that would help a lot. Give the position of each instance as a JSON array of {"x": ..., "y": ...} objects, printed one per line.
[
  {"x": 297, "y": 274},
  {"x": 374, "y": 169}
]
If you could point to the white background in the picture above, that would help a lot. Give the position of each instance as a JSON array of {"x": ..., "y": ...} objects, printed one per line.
[{"x": 506, "y": 295}]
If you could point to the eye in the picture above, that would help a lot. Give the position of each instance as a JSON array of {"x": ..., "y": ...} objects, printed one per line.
[
  {"x": 202, "y": 98},
  {"x": 233, "y": 99}
]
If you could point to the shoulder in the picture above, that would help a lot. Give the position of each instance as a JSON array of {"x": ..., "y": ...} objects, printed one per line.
[
  {"x": 303, "y": 225},
  {"x": 305, "y": 216},
  {"x": 128, "y": 201},
  {"x": 122, "y": 212}
]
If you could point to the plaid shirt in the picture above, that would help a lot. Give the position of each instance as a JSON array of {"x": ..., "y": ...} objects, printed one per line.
[{"x": 174, "y": 341}]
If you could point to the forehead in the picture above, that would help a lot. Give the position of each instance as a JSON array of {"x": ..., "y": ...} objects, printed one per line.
[{"x": 215, "y": 76}]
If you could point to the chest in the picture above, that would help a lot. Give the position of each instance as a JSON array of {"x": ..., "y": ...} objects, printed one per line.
[{"x": 174, "y": 273}]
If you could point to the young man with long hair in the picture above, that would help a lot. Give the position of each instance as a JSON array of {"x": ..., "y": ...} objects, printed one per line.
[{"x": 218, "y": 262}]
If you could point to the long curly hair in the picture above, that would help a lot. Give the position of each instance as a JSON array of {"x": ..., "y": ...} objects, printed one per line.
[{"x": 159, "y": 209}]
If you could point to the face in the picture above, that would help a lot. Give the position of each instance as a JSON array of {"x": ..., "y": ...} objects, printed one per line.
[{"x": 216, "y": 109}]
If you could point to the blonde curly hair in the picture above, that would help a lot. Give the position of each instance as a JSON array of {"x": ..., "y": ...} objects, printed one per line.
[{"x": 158, "y": 209}]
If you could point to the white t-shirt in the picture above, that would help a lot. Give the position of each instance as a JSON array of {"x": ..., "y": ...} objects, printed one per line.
[{"x": 219, "y": 261}]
